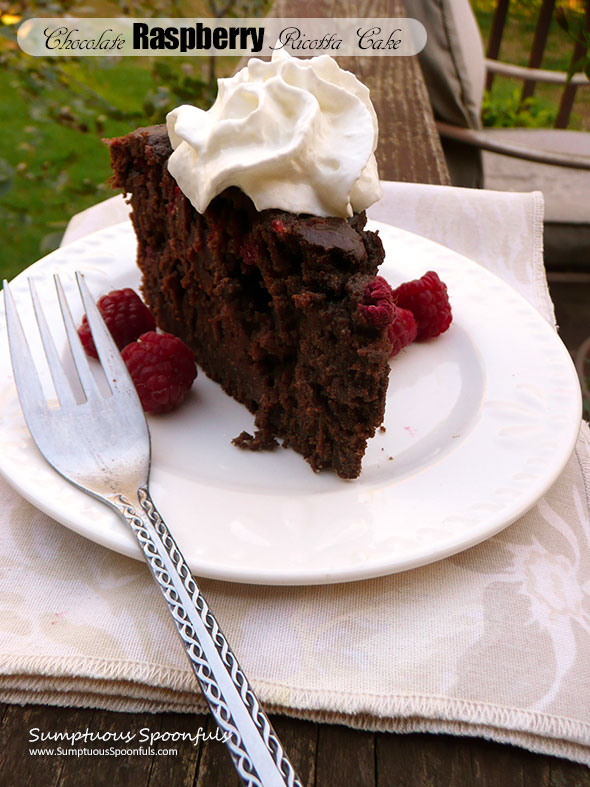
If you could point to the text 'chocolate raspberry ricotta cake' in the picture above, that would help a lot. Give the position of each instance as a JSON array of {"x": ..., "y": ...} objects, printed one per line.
[{"x": 250, "y": 227}]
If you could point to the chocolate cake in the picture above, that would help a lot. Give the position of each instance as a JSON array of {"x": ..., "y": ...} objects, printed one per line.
[{"x": 272, "y": 303}]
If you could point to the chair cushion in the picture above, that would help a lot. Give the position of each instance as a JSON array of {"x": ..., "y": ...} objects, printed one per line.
[{"x": 452, "y": 60}]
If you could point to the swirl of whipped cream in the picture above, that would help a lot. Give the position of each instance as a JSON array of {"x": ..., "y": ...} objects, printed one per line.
[{"x": 299, "y": 135}]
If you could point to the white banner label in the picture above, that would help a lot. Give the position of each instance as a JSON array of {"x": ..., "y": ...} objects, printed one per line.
[{"x": 258, "y": 36}]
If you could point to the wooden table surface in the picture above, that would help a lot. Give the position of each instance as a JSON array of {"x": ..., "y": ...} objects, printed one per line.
[{"x": 324, "y": 755}]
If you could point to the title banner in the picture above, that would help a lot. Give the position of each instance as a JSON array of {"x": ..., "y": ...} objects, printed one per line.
[{"x": 300, "y": 37}]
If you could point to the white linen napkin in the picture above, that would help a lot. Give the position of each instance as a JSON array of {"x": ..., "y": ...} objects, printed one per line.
[{"x": 494, "y": 641}]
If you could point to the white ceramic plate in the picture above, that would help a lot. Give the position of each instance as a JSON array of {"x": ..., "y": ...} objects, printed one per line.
[{"x": 479, "y": 423}]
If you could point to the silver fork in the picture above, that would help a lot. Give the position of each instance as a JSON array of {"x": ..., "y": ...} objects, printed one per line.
[{"x": 102, "y": 446}]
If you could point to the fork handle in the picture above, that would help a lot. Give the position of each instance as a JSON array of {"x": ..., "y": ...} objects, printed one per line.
[{"x": 253, "y": 744}]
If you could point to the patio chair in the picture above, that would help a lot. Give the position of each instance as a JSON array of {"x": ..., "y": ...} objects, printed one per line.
[{"x": 555, "y": 161}]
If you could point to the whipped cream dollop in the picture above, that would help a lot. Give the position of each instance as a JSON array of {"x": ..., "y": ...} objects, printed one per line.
[{"x": 298, "y": 135}]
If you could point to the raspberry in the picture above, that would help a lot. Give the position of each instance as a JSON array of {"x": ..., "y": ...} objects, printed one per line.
[
  {"x": 378, "y": 306},
  {"x": 428, "y": 301},
  {"x": 402, "y": 330},
  {"x": 163, "y": 369},
  {"x": 126, "y": 316}
]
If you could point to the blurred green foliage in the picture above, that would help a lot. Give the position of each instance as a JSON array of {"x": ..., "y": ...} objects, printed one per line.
[
  {"x": 501, "y": 106},
  {"x": 55, "y": 111},
  {"x": 576, "y": 27},
  {"x": 506, "y": 110}
]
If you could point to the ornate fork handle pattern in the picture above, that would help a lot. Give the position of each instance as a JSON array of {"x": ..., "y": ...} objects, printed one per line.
[{"x": 255, "y": 748}]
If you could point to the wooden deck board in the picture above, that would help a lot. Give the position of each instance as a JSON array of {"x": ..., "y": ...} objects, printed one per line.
[
  {"x": 409, "y": 146},
  {"x": 324, "y": 756}
]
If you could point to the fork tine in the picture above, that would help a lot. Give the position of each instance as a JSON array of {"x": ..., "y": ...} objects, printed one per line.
[
  {"x": 81, "y": 364},
  {"x": 60, "y": 381},
  {"x": 30, "y": 391},
  {"x": 116, "y": 372}
]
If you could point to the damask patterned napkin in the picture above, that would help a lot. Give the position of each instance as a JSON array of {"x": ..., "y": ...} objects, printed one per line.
[{"x": 494, "y": 641}]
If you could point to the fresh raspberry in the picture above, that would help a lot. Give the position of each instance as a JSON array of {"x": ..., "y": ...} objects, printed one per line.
[
  {"x": 126, "y": 316},
  {"x": 378, "y": 306},
  {"x": 402, "y": 330},
  {"x": 163, "y": 369},
  {"x": 428, "y": 301}
]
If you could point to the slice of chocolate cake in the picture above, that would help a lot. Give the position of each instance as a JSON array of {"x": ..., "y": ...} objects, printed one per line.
[{"x": 274, "y": 305}]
